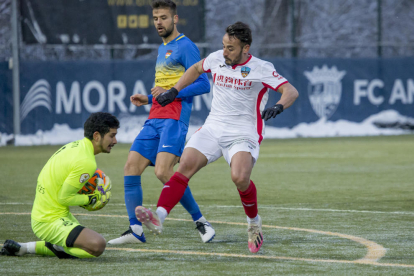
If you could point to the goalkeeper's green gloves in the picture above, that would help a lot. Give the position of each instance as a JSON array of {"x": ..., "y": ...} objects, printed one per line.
[{"x": 100, "y": 197}]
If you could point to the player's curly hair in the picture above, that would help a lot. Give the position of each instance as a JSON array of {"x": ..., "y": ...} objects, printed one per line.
[
  {"x": 156, "y": 4},
  {"x": 241, "y": 31},
  {"x": 101, "y": 122}
]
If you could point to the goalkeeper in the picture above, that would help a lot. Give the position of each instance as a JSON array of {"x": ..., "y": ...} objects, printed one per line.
[{"x": 66, "y": 172}]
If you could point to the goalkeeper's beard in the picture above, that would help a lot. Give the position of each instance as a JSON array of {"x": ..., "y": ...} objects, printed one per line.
[{"x": 106, "y": 149}]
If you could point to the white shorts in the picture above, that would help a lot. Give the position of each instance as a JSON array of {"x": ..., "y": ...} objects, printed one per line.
[{"x": 216, "y": 140}]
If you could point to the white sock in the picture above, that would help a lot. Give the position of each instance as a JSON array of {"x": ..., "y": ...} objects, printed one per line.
[
  {"x": 162, "y": 213},
  {"x": 22, "y": 250},
  {"x": 202, "y": 220},
  {"x": 253, "y": 220},
  {"x": 137, "y": 229},
  {"x": 27, "y": 248},
  {"x": 31, "y": 247}
]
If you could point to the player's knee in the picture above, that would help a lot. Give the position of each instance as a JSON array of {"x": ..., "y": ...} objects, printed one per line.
[
  {"x": 241, "y": 181},
  {"x": 162, "y": 174},
  {"x": 131, "y": 169},
  {"x": 97, "y": 246},
  {"x": 186, "y": 166}
]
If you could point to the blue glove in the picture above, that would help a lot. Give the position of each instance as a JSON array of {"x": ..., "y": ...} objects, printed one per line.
[
  {"x": 167, "y": 97},
  {"x": 271, "y": 112}
]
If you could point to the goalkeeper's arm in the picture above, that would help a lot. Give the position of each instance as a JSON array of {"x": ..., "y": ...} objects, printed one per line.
[
  {"x": 68, "y": 196},
  {"x": 100, "y": 197}
]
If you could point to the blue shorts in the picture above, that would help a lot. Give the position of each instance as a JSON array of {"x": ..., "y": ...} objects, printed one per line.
[{"x": 160, "y": 135}]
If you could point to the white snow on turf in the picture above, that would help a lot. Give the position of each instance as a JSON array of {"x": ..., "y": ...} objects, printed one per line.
[{"x": 131, "y": 126}]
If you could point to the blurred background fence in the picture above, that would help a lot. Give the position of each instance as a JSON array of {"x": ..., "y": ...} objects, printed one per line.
[
  {"x": 349, "y": 59},
  {"x": 122, "y": 29}
]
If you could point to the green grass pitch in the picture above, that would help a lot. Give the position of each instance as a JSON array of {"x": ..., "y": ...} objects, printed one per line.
[{"x": 331, "y": 206}]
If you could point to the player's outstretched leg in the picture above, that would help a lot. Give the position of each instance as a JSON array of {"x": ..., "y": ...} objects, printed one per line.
[
  {"x": 13, "y": 248},
  {"x": 171, "y": 194},
  {"x": 150, "y": 219},
  {"x": 203, "y": 227},
  {"x": 164, "y": 171}
]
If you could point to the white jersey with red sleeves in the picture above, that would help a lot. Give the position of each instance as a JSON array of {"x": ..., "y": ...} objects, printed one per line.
[{"x": 240, "y": 91}]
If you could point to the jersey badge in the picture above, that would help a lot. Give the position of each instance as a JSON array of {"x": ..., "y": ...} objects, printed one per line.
[
  {"x": 245, "y": 71},
  {"x": 84, "y": 177},
  {"x": 168, "y": 54}
]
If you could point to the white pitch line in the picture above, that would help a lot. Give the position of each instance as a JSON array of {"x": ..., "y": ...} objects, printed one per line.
[
  {"x": 325, "y": 210},
  {"x": 264, "y": 207}
]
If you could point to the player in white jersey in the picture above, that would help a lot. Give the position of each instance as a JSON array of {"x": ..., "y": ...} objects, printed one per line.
[
  {"x": 240, "y": 90},
  {"x": 233, "y": 128}
]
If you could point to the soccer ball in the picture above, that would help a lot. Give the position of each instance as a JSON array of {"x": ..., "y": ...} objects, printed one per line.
[{"x": 90, "y": 186}]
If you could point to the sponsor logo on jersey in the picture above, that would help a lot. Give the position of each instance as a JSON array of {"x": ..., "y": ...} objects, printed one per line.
[
  {"x": 245, "y": 71},
  {"x": 84, "y": 177},
  {"x": 168, "y": 54},
  {"x": 324, "y": 89},
  {"x": 276, "y": 75},
  {"x": 230, "y": 82}
]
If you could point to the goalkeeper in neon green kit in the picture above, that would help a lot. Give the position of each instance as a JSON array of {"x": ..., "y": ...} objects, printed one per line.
[{"x": 66, "y": 172}]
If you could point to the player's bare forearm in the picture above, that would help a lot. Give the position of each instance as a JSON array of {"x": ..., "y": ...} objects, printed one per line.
[
  {"x": 289, "y": 95},
  {"x": 190, "y": 75},
  {"x": 139, "y": 99}
]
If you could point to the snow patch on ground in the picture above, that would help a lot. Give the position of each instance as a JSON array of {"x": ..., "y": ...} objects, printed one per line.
[{"x": 131, "y": 126}]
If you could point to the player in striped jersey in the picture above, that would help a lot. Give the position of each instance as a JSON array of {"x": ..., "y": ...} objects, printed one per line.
[{"x": 161, "y": 141}]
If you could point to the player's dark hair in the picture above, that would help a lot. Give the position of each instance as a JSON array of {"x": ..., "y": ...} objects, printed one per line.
[
  {"x": 101, "y": 122},
  {"x": 165, "y": 4},
  {"x": 241, "y": 31}
]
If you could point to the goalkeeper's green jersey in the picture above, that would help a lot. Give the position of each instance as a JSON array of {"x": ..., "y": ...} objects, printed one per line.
[{"x": 73, "y": 164}]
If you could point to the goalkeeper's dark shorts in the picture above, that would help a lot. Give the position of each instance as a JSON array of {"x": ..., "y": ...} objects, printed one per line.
[{"x": 62, "y": 232}]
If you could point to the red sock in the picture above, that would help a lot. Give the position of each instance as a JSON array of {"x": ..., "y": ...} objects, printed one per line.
[
  {"x": 249, "y": 200},
  {"x": 173, "y": 191}
]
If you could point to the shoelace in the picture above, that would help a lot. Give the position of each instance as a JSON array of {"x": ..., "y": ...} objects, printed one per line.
[
  {"x": 129, "y": 231},
  {"x": 254, "y": 229},
  {"x": 200, "y": 227}
]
